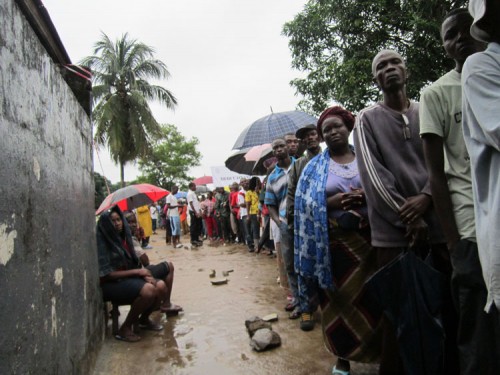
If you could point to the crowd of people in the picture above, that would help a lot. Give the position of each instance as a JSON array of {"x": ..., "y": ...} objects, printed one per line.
[{"x": 420, "y": 178}]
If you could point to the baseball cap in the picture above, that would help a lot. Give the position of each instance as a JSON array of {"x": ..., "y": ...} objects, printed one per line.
[{"x": 300, "y": 134}]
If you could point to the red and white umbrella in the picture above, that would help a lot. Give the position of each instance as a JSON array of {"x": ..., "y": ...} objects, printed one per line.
[
  {"x": 256, "y": 152},
  {"x": 132, "y": 196}
]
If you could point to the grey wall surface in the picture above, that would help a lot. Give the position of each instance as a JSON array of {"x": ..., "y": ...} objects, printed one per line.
[{"x": 50, "y": 302}]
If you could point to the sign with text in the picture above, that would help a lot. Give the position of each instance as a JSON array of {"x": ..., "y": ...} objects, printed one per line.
[{"x": 223, "y": 177}]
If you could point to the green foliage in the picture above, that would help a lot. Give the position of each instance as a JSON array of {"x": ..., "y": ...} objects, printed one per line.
[
  {"x": 334, "y": 41},
  {"x": 101, "y": 191},
  {"x": 121, "y": 93},
  {"x": 170, "y": 160}
]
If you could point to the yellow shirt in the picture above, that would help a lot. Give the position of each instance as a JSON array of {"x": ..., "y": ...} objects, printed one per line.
[{"x": 252, "y": 200}]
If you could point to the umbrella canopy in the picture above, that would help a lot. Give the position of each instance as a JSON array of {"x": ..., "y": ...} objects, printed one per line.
[
  {"x": 266, "y": 160},
  {"x": 132, "y": 196},
  {"x": 202, "y": 189},
  {"x": 255, "y": 152},
  {"x": 244, "y": 161},
  {"x": 237, "y": 163},
  {"x": 410, "y": 293},
  {"x": 203, "y": 180},
  {"x": 181, "y": 194},
  {"x": 275, "y": 125}
]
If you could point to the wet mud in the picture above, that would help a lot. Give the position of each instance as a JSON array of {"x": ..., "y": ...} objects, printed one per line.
[{"x": 210, "y": 337}]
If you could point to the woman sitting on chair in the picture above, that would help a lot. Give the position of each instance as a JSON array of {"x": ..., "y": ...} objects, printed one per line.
[
  {"x": 123, "y": 281},
  {"x": 162, "y": 271}
]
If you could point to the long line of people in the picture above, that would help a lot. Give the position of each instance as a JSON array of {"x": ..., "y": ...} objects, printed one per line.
[{"x": 338, "y": 216}]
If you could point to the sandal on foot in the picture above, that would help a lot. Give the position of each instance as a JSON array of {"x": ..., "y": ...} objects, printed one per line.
[
  {"x": 172, "y": 310},
  {"x": 151, "y": 326},
  {"x": 128, "y": 338},
  {"x": 336, "y": 371}
]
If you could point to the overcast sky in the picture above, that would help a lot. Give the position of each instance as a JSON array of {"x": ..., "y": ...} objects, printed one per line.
[{"x": 228, "y": 61}]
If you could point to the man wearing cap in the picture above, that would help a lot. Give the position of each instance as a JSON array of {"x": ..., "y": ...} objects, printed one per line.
[
  {"x": 395, "y": 180},
  {"x": 481, "y": 126},
  {"x": 309, "y": 137}
]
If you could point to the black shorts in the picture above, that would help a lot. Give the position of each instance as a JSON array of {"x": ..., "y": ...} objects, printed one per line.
[
  {"x": 122, "y": 291},
  {"x": 159, "y": 271}
]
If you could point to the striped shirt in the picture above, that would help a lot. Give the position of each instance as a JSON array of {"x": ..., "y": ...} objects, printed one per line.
[{"x": 277, "y": 189}]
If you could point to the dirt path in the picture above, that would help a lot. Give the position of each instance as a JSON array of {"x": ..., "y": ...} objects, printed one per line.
[{"x": 210, "y": 336}]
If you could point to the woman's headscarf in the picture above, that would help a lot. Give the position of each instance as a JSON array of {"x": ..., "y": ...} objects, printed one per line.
[
  {"x": 109, "y": 240},
  {"x": 338, "y": 111}
]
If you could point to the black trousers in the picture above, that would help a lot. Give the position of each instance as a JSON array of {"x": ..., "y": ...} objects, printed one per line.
[
  {"x": 478, "y": 332},
  {"x": 195, "y": 228}
]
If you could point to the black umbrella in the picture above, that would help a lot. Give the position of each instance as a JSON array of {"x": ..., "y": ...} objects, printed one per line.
[
  {"x": 266, "y": 161},
  {"x": 237, "y": 162},
  {"x": 410, "y": 293}
]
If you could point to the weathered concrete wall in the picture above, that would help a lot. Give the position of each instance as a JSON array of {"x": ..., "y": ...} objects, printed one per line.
[{"x": 50, "y": 301}]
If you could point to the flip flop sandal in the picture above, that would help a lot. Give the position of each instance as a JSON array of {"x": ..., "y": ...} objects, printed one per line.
[
  {"x": 128, "y": 338},
  {"x": 150, "y": 326},
  {"x": 172, "y": 311}
]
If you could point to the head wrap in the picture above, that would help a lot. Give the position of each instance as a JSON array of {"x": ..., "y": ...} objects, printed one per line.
[
  {"x": 110, "y": 241},
  {"x": 343, "y": 114}
]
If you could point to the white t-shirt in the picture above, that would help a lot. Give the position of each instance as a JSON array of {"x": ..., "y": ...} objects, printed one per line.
[
  {"x": 241, "y": 199},
  {"x": 154, "y": 212},
  {"x": 172, "y": 200},
  {"x": 191, "y": 197}
]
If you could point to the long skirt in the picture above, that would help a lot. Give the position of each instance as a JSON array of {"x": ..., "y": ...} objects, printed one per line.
[{"x": 351, "y": 327}]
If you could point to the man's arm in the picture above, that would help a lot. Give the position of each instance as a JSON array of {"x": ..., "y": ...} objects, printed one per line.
[
  {"x": 378, "y": 182},
  {"x": 293, "y": 179},
  {"x": 274, "y": 214},
  {"x": 481, "y": 96},
  {"x": 434, "y": 158}
]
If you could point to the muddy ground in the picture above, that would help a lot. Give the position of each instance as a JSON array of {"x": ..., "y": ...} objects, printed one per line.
[{"x": 210, "y": 336}]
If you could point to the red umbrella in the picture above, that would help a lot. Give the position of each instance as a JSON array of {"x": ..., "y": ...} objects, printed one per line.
[
  {"x": 132, "y": 196},
  {"x": 203, "y": 180}
]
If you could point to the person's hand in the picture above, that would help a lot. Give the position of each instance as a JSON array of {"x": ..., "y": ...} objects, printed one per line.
[
  {"x": 143, "y": 272},
  {"x": 150, "y": 280},
  {"x": 417, "y": 231},
  {"x": 414, "y": 208},
  {"x": 353, "y": 200},
  {"x": 335, "y": 201}
]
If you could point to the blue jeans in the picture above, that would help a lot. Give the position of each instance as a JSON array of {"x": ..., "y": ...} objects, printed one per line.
[{"x": 254, "y": 227}]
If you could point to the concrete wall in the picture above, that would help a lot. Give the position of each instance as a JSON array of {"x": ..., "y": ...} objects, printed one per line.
[{"x": 50, "y": 302}]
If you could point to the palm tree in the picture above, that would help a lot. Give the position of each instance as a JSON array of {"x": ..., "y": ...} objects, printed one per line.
[{"x": 124, "y": 121}]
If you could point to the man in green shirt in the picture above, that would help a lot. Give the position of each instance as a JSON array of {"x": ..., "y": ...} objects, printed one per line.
[{"x": 450, "y": 180}]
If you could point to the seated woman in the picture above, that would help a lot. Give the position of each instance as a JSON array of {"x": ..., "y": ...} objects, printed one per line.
[
  {"x": 340, "y": 259},
  {"x": 123, "y": 280},
  {"x": 162, "y": 271}
]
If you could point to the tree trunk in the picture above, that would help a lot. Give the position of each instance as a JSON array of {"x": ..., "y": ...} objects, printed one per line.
[{"x": 122, "y": 173}]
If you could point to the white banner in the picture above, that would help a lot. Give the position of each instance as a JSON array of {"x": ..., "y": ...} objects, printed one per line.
[{"x": 224, "y": 177}]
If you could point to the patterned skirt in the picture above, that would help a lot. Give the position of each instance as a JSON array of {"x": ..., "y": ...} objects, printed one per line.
[{"x": 351, "y": 327}]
